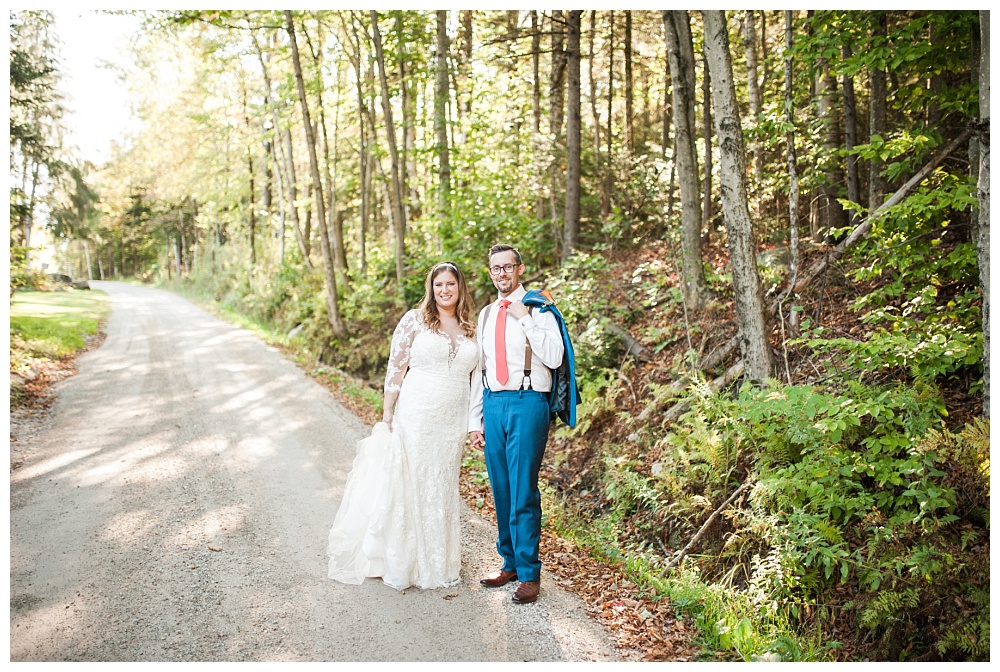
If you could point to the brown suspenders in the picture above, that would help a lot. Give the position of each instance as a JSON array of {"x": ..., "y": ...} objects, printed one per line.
[{"x": 527, "y": 352}]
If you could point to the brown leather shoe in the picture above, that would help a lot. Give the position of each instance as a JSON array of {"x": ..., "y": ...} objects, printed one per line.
[
  {"x": 527, "y": 591},
  {"x": 500, "y": 579}
]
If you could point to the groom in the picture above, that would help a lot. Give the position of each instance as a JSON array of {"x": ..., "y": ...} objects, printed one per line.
[{"x": 509, "y": 411}]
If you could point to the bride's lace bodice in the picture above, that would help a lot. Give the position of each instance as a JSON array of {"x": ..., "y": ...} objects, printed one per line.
[{"x": 415, "y": 346}]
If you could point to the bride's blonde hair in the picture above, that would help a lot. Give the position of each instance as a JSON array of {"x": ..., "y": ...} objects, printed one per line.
[{"x": 463, "y": 309}]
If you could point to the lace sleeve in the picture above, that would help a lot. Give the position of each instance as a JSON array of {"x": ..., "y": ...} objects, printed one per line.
[{"x": 399, "y": 351}]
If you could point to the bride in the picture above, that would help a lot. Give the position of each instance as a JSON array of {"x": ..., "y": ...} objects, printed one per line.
[{"x": 399, "y": 518}]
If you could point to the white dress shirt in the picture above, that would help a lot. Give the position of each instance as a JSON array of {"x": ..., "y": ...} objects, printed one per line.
[{"x": 541, "y": 329}]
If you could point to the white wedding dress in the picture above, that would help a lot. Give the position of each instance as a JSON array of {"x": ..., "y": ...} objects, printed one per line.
[{"x": 399, "y": 518}]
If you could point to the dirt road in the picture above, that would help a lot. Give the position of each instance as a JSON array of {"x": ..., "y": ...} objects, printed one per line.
[{"x": 176, "y": 507}]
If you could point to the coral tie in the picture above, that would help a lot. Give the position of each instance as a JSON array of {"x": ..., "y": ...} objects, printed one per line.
[{"x": 501, "y": 342}]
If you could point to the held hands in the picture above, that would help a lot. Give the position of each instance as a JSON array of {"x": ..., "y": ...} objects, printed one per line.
[{"x": 476, "y": 440}]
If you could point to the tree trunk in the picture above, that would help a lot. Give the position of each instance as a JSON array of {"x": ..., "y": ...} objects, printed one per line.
[
  {"x": 826, "y": 213},
  {"x": 756, "y": 101},
  {"x": 330, "y": 275},
  {"x": 629, "y": 138},
  {"x": 375, "y": 161},
  {"x": 281, "y": 202},
  {"x": 983, "y": 241},
  {"x": 407, "y": 123},
  {"x": 29, "y": 217},
  {"x": 850, "y": 140},
  {"x": 177, "y": 258},
  {"x": 336, "y": 221},
  {"x": 307, "y": 221},
  {"x": 557, "y": 76},
  {"x": 763, "y": 62},
  {"x": 593, "y": 100},
  {"x": 611, "y": 96},
  {"x": 934, "y": 81},
  {"x": 292, "y": 193},
  {"x": 536, "y": 113},
  {"x": 285, "y": 195},
  {"x": 183, "y": 247},
  {"x": 571, "y": 227},
  {"x": 267, "y": 197},
  {"x": 441, "y": 95},
  {"x": 466, "y": 54},
  {"x": 332, "y": 223},
  {"x": 749, "y": 299},
  {"x": 557, "y": 85},
  {"x": 396, "y": 187},
  {"x": 253, "y": 212},
  {"x": 706, "y": 124},
  {"x": 877, "y": 117},
  {"x": 364, "y": 156},
  {"x": 86, "y": 254},
  {"x": 253, "y": 191},
  {"x": 680, "y": 56},
  {"x": 667, "y": 110},
  {"x": 793, "y": 173}
]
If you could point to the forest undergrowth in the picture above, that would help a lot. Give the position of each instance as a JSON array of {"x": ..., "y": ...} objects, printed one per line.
[{"x": 862, "y": 528}]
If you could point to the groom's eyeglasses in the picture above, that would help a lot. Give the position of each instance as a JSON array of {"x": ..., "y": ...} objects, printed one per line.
[{"x": 506, "y": 268}]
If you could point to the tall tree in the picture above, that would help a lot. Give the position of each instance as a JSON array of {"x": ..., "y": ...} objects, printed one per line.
[
  {"x": 754, "y": 93},
  {"x": 365, "y": 162},
  {"x": 680, "y": 57},
  {"x": 408, "y": 126},
  {"x": 396, "y": 186},
  {"x": 329, "y": 271},
  {"x": 334, "y": 222},
  {"x": 465, "y": 59},
  {"x": 557, "y": 88},
  {"x": 593, "y": 101},
  {"x": 983, "y": 243},
  {"x": 250, "y": 172},
  {"x": 571, "y": 225},
  {"x": 749, "y": 298},
  {"x": 441, "y": 95},
  {"x": 35, "y": 120},
  {"x": 536, "y": 112},
  {"x": 608, "y": 179},
  {"x": 706, "y": 125},
  {"x": 826, "y": 212},
  {"x": 301, "y": 233},
  {"x": 286, "y": 186},
  {"x": 75, "y": 216},
  {"x": 793, "y": 171},
  {"x": 877, "y": 108},
  {"x": 629, "y": 131},
  {"x": 851, "y": 139}
]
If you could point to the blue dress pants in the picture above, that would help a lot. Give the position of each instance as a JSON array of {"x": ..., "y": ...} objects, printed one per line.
[{"x": 516, "y": 428}]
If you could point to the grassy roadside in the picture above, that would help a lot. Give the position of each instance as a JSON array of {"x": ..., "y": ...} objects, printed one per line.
[
  {"x": 47, "y": 326},
  {"x": 47, "y": 331}
]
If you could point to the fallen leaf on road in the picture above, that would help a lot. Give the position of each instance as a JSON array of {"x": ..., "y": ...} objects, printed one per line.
[{"x": 213, "y": 548}]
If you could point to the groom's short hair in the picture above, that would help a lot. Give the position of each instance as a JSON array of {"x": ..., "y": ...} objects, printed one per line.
[{"x": 503, "y": 247}]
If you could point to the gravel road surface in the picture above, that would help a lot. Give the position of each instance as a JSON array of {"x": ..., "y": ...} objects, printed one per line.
[{"x": 176, "y": 505}]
